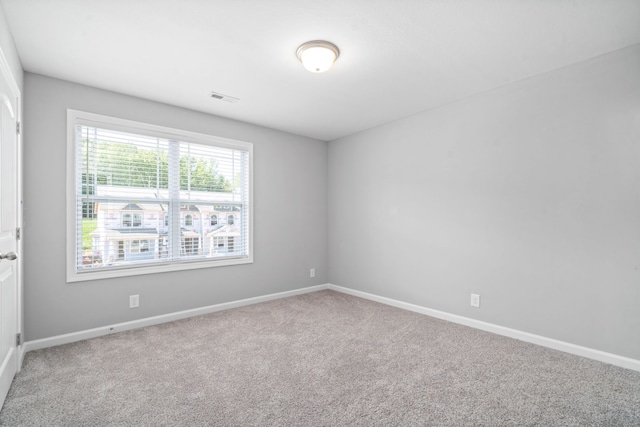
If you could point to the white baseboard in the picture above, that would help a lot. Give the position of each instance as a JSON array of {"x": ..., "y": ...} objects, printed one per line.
[
  {"x": 134, "y": 324},
  {"x": 590, "y": 353},
  {"x": 601, "y": 356}
]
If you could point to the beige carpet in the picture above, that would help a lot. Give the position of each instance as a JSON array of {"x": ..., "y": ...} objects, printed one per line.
[{"x": 320, "y": 359}]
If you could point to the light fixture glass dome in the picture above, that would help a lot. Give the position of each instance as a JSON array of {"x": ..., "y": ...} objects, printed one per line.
[{"x": 318, "y": 56}]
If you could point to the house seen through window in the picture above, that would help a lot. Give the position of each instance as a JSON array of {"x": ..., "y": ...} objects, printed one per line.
[{"x": 155, "y": 199}]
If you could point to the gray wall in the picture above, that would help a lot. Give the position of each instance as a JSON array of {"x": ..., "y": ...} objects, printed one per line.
[
  {"x": 290, "y": 216},
  {"x": 528, "y": 195}
]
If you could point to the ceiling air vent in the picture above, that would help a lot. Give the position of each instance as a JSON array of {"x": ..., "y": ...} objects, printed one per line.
[{"x": 223, "y": 97}]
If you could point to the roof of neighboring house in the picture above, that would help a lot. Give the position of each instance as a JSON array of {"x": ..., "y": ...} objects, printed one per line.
[
  {"x": 136, "y": 230},
  {"x": 162, "y": 207},
  {"x": 162, "y": 194},
  {"x": 116, "y": 207},
  {"x": 134, "y": 233},
  {"x": 224, "y": 231},
  {"x": 183, "y": 233},
  {"x": 131, "y": 207}
]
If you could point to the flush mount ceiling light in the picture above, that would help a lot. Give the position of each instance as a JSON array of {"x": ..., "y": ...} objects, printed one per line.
[{"x": 318, "y": 56}]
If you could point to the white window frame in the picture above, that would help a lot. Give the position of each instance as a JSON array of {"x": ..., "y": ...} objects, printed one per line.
[{"x": 75, "y": 117}]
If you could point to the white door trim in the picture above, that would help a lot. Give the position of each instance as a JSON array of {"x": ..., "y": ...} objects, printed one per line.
[{"x": 7, "y": 74}]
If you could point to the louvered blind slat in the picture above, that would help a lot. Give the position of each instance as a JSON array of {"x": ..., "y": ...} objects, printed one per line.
[{"x": 146, "y": 200}]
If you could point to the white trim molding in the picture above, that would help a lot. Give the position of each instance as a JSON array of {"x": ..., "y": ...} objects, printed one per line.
[
  {"x": 601, "y": 356},
  {"x": 156, "y": 320}
]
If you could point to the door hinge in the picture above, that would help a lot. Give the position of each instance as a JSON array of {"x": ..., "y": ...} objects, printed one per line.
[
  {"x": 18, "y": 233},
  {"x": 18, "y": 128},
  {"x": 18, "y": 340}
]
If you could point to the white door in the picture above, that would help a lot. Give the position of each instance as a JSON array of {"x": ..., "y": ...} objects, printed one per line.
[{"x": 8, "y": 242}]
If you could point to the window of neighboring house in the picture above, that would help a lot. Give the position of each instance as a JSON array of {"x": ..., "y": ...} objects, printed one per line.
[
  {"x": 131, "y": 220},
  {"x": 120, "y": 249},
  {"x": 138, "y": 246},
  {"x": 157, "y": 170},
  {"x": 190, "y": 245},
  {"x": 214, "y": 220}
]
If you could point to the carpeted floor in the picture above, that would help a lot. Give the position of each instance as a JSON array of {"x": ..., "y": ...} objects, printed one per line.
[{"x": 319, "y": 359}]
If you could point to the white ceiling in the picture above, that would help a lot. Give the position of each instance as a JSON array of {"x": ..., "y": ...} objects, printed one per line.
[{"x": 398, "y": 57}]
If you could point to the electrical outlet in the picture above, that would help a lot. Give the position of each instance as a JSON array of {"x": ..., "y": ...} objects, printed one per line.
[
  {"x": 134, "y": 301},
  {"x": 475, "y": 300},
  {"x": 312, "y": 272}
]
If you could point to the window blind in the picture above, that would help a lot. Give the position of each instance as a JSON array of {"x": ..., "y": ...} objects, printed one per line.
[{"x": 145, "y": 200}]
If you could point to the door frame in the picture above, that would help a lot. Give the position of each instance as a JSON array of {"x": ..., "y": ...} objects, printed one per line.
[{"x": 8, "y": 74}]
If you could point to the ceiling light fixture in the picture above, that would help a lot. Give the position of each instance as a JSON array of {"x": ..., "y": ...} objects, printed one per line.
[{"x": 318, "y": 56}]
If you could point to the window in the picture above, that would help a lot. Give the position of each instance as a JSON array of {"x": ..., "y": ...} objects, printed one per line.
[
  {"x": 190, "y": 246},
  {"x": 131, "y": 220},
  {"x": 138, "y": 246},
  {"x": 137, "y": 178},
  {"x": 120, "y": 249}
]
